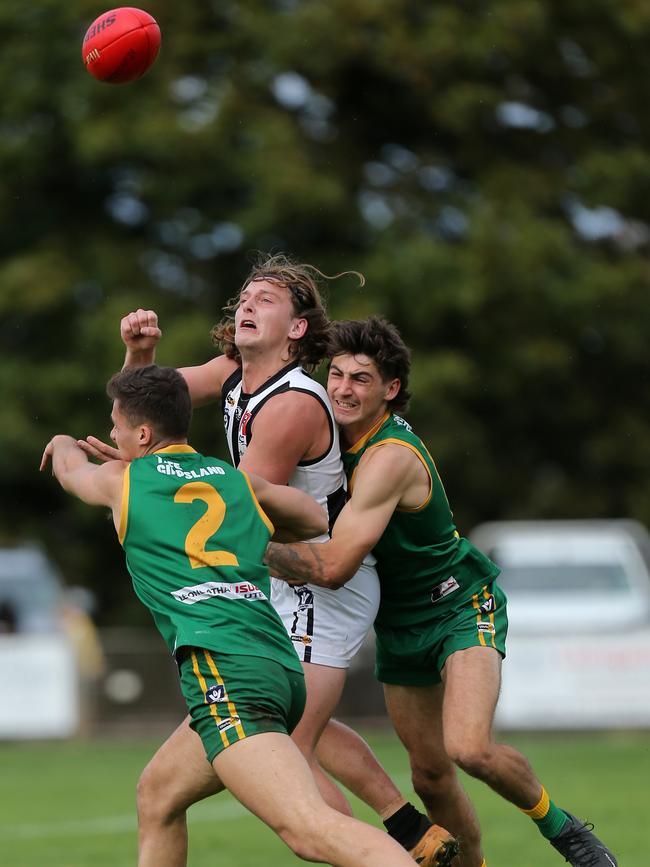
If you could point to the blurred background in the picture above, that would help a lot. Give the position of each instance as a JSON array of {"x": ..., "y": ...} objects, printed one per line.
[{"x": 484, "y": 164}]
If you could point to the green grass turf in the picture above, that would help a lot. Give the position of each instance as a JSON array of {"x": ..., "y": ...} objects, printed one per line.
[{"x": 72, "y": 804}]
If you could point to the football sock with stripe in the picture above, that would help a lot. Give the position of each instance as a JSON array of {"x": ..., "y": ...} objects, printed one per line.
[
  {"x": 549, "y": 819},
  {"x": 407, "y": 825}
]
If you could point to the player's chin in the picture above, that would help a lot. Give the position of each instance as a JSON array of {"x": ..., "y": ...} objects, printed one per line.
[
  {"x": 344, "y": 414},
  {"x": 245, "y": 335}
]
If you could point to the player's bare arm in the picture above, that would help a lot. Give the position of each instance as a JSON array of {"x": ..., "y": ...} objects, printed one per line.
[
  {"x": 294, "y": 513},
  {"x": 97, "y": 485},
  {"x": 141, "y": 333},
  {"x": 205, "y": 381},
  {"x": 385, "y": 479},
  {"x": 289, "y": 428}
]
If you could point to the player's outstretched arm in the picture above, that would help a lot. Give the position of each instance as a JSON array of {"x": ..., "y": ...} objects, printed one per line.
[
  {"x": 205, "y": 381},
  {"x": 140, "y": 334},
  {"x": 97, "y": 485},
  {"x": 381, "y": 479},
  {"x": 294, "y": 514}
]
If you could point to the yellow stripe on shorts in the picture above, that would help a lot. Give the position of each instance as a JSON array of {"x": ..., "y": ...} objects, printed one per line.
[
  {"x": 213, "y": 707},
  {"x": 479, "y": 617},
  {"x": 487, "y": 595},
  {"x": 231, "y": 704}
]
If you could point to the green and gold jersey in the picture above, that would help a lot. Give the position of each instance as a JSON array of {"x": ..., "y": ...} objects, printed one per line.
[
  {"x": 424, "y": 566},
  {"x": 194, "y": 536}
]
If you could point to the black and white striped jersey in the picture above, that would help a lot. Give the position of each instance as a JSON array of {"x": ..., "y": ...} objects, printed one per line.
[{"x": 322, "y": 477}]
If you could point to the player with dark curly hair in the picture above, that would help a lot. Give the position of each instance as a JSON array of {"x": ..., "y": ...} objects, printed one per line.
[{"x": 442, "y": 621}]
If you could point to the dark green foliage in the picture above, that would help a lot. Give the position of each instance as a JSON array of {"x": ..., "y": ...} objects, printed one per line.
[{"x": 457, "y": 153}]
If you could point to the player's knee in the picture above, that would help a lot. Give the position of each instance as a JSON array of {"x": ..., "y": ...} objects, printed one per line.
[
  {"x": 307, "y": 849},
  {"x": 147, "y": 803},
  {"x": 474, "y": 759},
  {"x": 432, "y": 780},
  {"x": 305, "y": 837},
  {"x": 155, "y": 802}
]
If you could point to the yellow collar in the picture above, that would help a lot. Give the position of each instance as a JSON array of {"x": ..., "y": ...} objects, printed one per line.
[
  {"x": 364, "y": 439},
  {"x": 179, "y": 447}
]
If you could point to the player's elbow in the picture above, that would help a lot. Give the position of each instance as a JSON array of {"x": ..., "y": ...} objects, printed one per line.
[
  {"x": 303, "y": 533},
  {"x": 314, "y": 524},
  {"x": 334, "y": 582},
  {"x": 336, "y": 573}
]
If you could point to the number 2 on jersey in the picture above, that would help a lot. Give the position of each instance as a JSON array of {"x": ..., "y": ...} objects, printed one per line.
[{"x": 205, "y": 527}]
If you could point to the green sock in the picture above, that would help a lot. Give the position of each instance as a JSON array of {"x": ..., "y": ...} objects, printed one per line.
[
  {"x": 549, "y": 819},
  {"x": 553, "y": 822}
]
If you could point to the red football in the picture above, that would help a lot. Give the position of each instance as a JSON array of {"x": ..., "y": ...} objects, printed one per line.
[{"x": 121, "y": 45}]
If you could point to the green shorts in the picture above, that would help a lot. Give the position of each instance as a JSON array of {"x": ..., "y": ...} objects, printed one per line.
[
  {"x": 233, "y": 697},
  {"x": 415, "y": 655}
]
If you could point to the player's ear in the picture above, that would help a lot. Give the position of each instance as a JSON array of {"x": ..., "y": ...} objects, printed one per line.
[
  {"x": 298, "y": 329},
  {"x": 392, "y": 389},
  {"x": 145, "y": 435}
]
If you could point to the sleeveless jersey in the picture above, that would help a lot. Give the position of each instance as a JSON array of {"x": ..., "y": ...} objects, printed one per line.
[
  {"x": 326, "y": 626},
  {"x": 424, "y": 566},
  {"x": 194, "y": 536},
  {"x": 322, "y": 477}
]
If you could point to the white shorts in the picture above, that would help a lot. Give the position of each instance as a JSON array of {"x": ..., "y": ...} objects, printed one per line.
[{"x": 327, "y": 627}]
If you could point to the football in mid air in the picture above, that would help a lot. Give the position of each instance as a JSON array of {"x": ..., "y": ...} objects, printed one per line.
[{"x": 120, "y": 45}]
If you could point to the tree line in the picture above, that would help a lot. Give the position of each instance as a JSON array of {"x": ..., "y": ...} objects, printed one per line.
[{"x": 485, "y": 165}]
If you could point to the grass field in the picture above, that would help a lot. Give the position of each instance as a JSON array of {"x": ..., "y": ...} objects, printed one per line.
[{"x": 72, "y": 804}]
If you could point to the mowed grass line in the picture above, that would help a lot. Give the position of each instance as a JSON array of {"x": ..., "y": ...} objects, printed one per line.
[{"x": 73, "y": 804}]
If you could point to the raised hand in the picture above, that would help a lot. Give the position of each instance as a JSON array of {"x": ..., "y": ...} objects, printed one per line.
[{"x": 140, "y": 333}]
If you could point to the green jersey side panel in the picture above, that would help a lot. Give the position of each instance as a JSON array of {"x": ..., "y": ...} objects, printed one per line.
[
  {"x": 194, "y": 537},
  {"x": 424, "y": 566}
]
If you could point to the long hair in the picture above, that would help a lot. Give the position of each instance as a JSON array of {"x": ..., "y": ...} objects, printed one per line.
[
  {"x": 380, "y": 340},
  {"x": 304, "y": 283}
]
